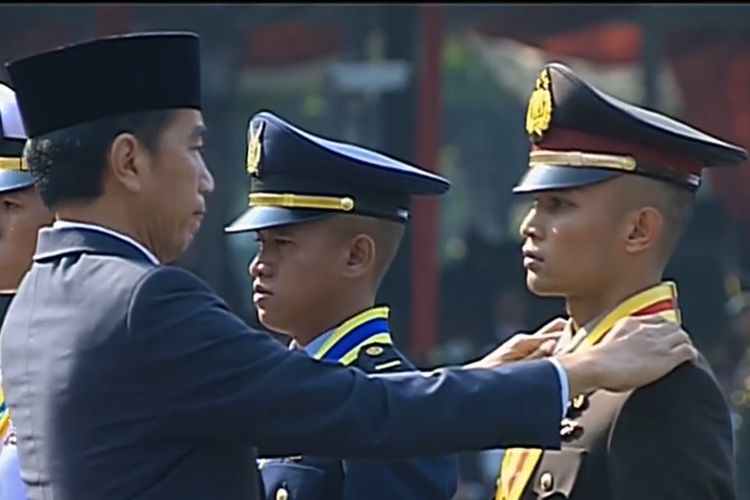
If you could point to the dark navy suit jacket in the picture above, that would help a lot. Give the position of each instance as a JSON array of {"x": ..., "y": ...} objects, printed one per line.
[
  {"x": 313, "y": 478},
  {"x": 129, "y": 380}
]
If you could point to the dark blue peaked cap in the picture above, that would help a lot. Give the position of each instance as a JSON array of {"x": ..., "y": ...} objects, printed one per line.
[
  {"x": 14, "y": 173},
  {"x": 297, "y": 176},
  {"x": 580, "y": 136}
]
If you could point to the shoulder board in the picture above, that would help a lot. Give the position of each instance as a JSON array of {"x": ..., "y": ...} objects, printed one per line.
[{"x": 381, "y": 358}]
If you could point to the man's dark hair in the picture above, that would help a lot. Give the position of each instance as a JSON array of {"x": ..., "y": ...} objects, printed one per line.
[{"x": 69, "y": 164}]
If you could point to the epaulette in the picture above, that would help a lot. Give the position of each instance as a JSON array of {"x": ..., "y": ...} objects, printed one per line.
[{"x": 381, "y": 358}]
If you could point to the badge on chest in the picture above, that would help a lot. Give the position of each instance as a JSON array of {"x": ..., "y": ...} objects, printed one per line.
[
  {"x": 300, "y": 478},
  {"x": 584, "y": 432},
  {"x": 570, "y": 427},
  {"x": 589, "y": 417}
]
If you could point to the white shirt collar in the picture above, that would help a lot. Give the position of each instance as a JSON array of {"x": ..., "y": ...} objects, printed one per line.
[
  {"x": 94, "y": 227},
  {"x": 311, "y": 348}
]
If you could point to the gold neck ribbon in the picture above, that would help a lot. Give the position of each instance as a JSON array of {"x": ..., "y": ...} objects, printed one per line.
[{"x": 518, "y": 464}]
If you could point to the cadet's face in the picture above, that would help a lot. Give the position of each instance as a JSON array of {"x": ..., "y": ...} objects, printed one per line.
[
  {"x": 180, "y": 183},
  {"x": 570, "y": 241},
  {"x": 22, "y": 213},
  {"x": 295, "y": 275}
]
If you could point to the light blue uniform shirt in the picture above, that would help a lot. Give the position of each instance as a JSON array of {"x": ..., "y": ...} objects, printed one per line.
[{"x": 11, "y": 484}]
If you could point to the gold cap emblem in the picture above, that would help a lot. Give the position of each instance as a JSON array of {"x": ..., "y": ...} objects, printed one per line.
[
  {"x": 254, "y": 149},
  {"x": 539, "y": 112}
]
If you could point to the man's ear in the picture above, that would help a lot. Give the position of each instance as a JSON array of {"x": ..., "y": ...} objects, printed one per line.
[
  {"x": 360, "y": 257},
  {"x": 127, "y": 162}
]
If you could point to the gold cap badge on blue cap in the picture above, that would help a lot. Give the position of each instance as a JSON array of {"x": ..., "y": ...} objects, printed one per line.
[
  {"x": 539, "y": 112},
  {"x": 285, "y": 200},
  {"x": 254, "y": 149},
  {"x": 297, "y": 176}
]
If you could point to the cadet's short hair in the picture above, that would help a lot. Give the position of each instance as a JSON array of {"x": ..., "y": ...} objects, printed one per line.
[
  {"x": 676, "y": 206},
  {"x": 69, "y": 164},
  {"x": 386, "y": 234},
  {"x": 674, "y": 203}
]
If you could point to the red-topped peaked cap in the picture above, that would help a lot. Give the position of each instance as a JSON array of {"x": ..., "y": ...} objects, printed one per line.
[{"x": 580, "y": 136}]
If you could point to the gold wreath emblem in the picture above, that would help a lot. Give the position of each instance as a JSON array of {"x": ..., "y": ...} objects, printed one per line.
[
  {"x": 254, "y": 150},
  {"x": 539, "y": 112}
]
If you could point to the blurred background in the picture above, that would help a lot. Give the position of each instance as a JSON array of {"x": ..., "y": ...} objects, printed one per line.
[{"x": 445, "y": 87}]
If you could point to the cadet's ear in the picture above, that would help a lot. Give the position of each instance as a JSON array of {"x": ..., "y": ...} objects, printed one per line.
[
  {"x": 360, "y": 256},
  {"x": 644, "y": 230}
]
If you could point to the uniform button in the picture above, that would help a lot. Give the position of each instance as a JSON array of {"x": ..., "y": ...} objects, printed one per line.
[
  {"x": 546, "y": 481},
  {"x": 282, "y": 494},
  {"x": 375, "y": 350},
  {"x": 580, "y": 402}
]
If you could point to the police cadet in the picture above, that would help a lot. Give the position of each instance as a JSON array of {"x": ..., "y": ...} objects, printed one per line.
[
  {"x": 132, "y": 379},
  {"x": 738, "y": 386},
  {"x": 22, "y": 213},
  {"x": 320, "y": 261},
  {"x": 613, "y": 188}
]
